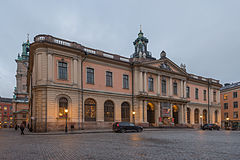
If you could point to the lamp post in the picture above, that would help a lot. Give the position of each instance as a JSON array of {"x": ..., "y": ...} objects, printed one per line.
[
  {"x": 201, "y": 120},
  {"x": 66, "y": 113},
  {"x": 134, "y": 116},
  {"x": 227, "y": 122}
]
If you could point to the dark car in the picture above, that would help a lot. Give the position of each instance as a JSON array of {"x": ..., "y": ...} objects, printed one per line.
[
  {"x": 210, "y": 127},
  {"x": 125, "y": 126}
]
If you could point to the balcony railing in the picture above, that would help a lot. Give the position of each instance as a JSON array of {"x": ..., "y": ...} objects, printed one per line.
[{"x": 62, "y": 42}]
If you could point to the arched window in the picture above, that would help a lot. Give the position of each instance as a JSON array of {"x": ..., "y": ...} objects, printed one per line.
[
  {"x": 90, "y": 110},
  {"x": 196, "y": 116},
  {"x": 125, "y": 112},
  {"x": 216, "y": 116},
  {"x": 109, "y": 111},
  {"x": 188, "y": 115},
  {"x": 204, "y": 116},
  {"x": 63, "y": 104}
]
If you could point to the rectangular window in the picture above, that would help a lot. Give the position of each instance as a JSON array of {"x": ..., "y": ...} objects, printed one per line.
[
  {"x": 5, "y": 108},
  {"x": 150, "y": 84},
  {"x": 235, "y": 104},
  {"x": 214, "y": 96},
  {"x": 24, "y": 115},
  {"x": 204, "y": 95},
  {"x": 175, "y": 88},
  {"x": 234, "y": 94},
  {"x": 188, "y": 92},
  {"x": 90, "y": 75},
  {"x": 125, "y": 81},
  {"x": 62, "y": 70},
  {"x": 164, "y": 87},
  {"x": 235, "y": 114},
  {"x": 225, "y": 97},
  {"x": 196, "y": 93},
  {"x": 108, "y": 79},
  {"x": 225, "y": 105},
  {"x": 225, "y": 115}
]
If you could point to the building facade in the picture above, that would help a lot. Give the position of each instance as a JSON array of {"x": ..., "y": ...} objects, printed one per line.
[
  {"x": 99, "y": 88},
  {"x": 20, "y": 97},
  {"x": 6, "y": 113},
  {"x": 230, "y": 100}
]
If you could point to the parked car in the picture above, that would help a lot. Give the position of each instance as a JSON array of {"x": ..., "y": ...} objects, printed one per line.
[
  {"x": 125, "y": 126},
  {"x": 210, "y": 127}
]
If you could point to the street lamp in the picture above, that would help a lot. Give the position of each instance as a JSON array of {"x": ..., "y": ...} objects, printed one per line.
[
  {"x": 134, "y": 116},
  {"x": 227, "y": 121},
  {"x": 66, "y": 113}
]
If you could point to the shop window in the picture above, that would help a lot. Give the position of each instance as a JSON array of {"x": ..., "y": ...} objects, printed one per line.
[
  {"x": 109, "y": 111},
  {"x": 63, "y": 104},
  {"x": 90, "y": 110}
]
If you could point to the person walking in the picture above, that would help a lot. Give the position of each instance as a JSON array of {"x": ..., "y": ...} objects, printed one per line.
[{"x": 22, "y": 127}]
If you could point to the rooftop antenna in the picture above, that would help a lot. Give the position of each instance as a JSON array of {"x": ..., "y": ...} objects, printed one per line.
[
  {"x": 28, "y": 37},
  {"x": 140, "y": 28}
]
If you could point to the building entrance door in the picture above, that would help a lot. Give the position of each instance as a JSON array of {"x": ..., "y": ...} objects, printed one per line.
[
  {"x": 175, "y": 113},
  {"x": 150, "y": 114}
]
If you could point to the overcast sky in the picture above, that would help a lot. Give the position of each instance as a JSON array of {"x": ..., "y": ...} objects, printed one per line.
[{"x": 203, "y": 34}]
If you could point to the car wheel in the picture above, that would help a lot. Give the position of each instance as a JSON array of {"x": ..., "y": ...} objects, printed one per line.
[
  {"x": 139, "y": 130},
  {"x": 123, "y": 130}
]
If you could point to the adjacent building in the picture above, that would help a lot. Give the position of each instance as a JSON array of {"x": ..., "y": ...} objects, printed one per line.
[
  {"x": 230, "y": 100},
  {"x": 92, "y": 89},
  {"x": 20, "y": 97},
  {"x": 6, "y": 113}
]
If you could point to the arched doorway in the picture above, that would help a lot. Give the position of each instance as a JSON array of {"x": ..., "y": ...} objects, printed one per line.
[
  {"x": 175, "y": 113},
  {"x": 188, "y": 115},
  {"x": 150, "y": 113},
  {"x": 125, "y": 112},
  {"x": 204, "y": 116}
]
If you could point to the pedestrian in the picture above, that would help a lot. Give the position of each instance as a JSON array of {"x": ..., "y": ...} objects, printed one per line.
[{"x": 22, "y": 127}]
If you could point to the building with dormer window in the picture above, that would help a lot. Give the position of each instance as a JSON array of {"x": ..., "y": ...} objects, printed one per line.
[{"x": 99, "y": 88}]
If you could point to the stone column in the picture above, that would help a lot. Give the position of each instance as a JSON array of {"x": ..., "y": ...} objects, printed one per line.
[
  {"x": 184, "y": 89},
  {"x": 141, "y": 81},
  {"x": 50, "y": 68},
  {"x": 75, "y": 68},
  {"x": 182, "y": 114},
  {"x": 157, "y": 113},
  {"x": 145, "y": 82},
  {"x": 170, "y": 87},
  {"x": 158, "y": 84},
  {"x": 181, "y": 89}
]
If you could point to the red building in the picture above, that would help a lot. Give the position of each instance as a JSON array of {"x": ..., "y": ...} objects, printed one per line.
[{"x": 6, "y": 113}]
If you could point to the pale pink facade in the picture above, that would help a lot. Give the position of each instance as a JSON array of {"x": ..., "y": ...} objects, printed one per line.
[{"x": 155, "y": 89}]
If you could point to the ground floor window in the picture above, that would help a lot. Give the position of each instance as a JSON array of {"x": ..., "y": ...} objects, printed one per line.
[
  {"x": 90, "y": 110},
  {"x": 216, "y": 116},
  {"x": 188, "y": 115},
  {"x": 196, "y": 116},
  {"x": 204, "y": 116},
  {"x": 109, "y": 111},
  {"x": 125, "y": 112}
]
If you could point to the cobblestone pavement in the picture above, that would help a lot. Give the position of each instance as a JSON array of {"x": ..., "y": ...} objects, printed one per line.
[{"x": 163, "y": 144}]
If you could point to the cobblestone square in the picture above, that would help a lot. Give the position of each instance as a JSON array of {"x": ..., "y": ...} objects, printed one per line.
[{"x": 161, "y": 144}]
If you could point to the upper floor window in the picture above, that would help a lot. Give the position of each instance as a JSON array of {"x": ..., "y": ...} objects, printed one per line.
[
  {"x": 175, "y": 88},
  {"x": 150, "y": 84},
  {"x": 108, "y": 79},
  {"x": 188, "y": 92},
  {"x": 90, "y": 75},
  {"x": 235, "y": 114},
  {"x": 225, "y": 97},
  {"x": 125, "y": 81},
  {"x": 164, "y": 87},
  {"x": 225, "y": 105},
  {"x": 234, "y": 94},
  {"x": 5, "y": 108},
  {"x": 196, "y": 93},
  {"x": 214, "y": 96},
  {"x": 204, "y": 95},
  {"x": 62, "y": 70},
  {"x": 235, "y": 104}
]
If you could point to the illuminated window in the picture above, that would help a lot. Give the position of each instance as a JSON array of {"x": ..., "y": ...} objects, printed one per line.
[
  {"x": 63, "y": 104},
  {"x": 109, "y": 111},
  {"x": 90, "y": 110},
  {"x": 5, "y": 108},
  {"x": 196, "y": 116},
  {"x": 225, "y": 97}
]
